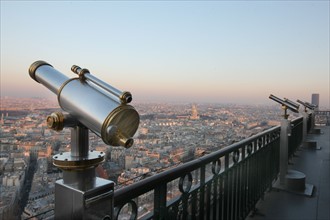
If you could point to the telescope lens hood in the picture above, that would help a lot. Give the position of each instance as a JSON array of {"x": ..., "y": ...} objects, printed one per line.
[{"x": 34, "y": 66}]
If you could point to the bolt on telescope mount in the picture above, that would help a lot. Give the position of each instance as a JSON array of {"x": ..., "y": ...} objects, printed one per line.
[{"x": 89, "y": 104}]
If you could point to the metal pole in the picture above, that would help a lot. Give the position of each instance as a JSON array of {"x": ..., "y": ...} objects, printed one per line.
[
  {"x": 285, "y": 123},
  {"x": 305, "y": 118}
]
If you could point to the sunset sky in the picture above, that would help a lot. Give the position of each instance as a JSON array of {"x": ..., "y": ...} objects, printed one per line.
[{"x": 169, "y": 51}]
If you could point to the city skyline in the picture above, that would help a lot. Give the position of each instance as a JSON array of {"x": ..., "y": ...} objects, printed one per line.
[{"x": 215, "y": 51}]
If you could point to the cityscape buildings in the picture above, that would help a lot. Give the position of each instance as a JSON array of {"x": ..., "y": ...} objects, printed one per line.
[{"x": 169, "y": 134}]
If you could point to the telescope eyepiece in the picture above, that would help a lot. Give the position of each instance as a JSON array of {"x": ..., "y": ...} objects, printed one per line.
[
  {"x": 126, "y": 97},
  {"x": 129, "y": 143},
  {"x": 34, "y": 66},
  {"x": 75, "y": 69},
  {"x": 118, "y": 138},
  {"x": 80, "y": 72}
]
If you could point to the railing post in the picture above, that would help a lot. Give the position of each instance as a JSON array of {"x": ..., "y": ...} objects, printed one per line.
[
  {"x": 284, "y": 150},
  {"x": 202, "y": 193},
  {"x": 290, "y": 180},
  {"x": 305, "y": 121},
  {"x": 160, "y": 202}
]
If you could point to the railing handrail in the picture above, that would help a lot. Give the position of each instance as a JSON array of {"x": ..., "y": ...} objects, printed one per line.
[
  {"x": 255, "y": 160},
  {"x": 150, "y": 183},
  {"x": 323, "y": 112}
]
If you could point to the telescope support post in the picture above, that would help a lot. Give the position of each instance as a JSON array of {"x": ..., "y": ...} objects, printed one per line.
[
  {"x": 310, "y": 144},
  {"x": 290, "y": 180},
  {"x": 285, "y": 123},
  {"x": 80, "y": 194},
  {"x": 79, "y": 142}
]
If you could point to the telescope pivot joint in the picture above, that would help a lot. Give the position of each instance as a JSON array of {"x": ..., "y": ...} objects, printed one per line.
[{"x": 58, "y": 120}]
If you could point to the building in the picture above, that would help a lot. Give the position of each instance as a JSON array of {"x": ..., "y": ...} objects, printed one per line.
[
  {"x": 316, "y": 99},
  {"x": 194, "y": 113}
]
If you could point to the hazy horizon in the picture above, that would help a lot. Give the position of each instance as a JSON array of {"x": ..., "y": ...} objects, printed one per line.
[{"x": 173, "y": 52}]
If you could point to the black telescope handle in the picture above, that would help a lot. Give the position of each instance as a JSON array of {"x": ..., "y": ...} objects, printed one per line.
[{"x": 84, "y": 74}]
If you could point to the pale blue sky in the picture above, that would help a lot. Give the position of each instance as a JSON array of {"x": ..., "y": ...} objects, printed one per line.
[{"x": 187, "y": 51}]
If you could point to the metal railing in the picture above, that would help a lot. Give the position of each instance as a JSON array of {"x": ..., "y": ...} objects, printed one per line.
[
  {"x": 296, "y": 136},
  {"x": 225, "y": 184},
  {"x": 322, "y": 117}
]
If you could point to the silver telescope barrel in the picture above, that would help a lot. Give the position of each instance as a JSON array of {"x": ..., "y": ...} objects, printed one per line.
[
  {"x": 283, "y": 103},
  {"x": 44, "y": 73},
  {"x": 114, "y": 122},
  {"x": 306, "y": 104},
  {"x": 291, "y": 103}
]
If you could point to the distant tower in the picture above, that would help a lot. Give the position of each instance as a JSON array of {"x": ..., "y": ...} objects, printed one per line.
[
  {"x": 194, "y": 113},
  {"x": 316, "y": 99}
]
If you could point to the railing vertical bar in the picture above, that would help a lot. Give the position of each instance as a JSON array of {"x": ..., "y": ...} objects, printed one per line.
[
  {"x": 235, "y": 191},
  {"x": 242, "y": 191},
  {"x": 233, "y": 188},
  {"x": 194, "y": 205},
  {"x": 239, "y": 192},
  {"x": 248, "y": 182},
  {"x": 251, "y": 174},
  {"x": 229, "y": 189},
  {"x": 215, "y": 197},
  {"x": 257, "y": 167},
  {"x": 226, "y": 188},
  {"x": 244, "y": 187},
  {"x": 221, "y": 197},
  {"x": 202, "y": 192},
  {"x": 230, "y": 194},
  {"x": 160, "y": 202},
  {"x": 208, "y": 201},
  {"x": 259, "y": 171},
  {"x": 185, "y": 206}
]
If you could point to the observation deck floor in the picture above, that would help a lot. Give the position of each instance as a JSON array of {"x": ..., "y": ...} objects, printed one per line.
[{"x": 315, "y": 164}]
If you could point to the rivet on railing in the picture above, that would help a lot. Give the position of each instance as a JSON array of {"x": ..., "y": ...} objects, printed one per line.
[{"x": 185, "y": 183}]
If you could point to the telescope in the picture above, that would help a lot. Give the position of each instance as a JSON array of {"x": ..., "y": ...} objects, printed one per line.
[
  {"x": 291, "y": 103},
  {"x": 286, "y": 104},
  {"x": 307, "y": 105},
  {"x": 89, "y": 102}
]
